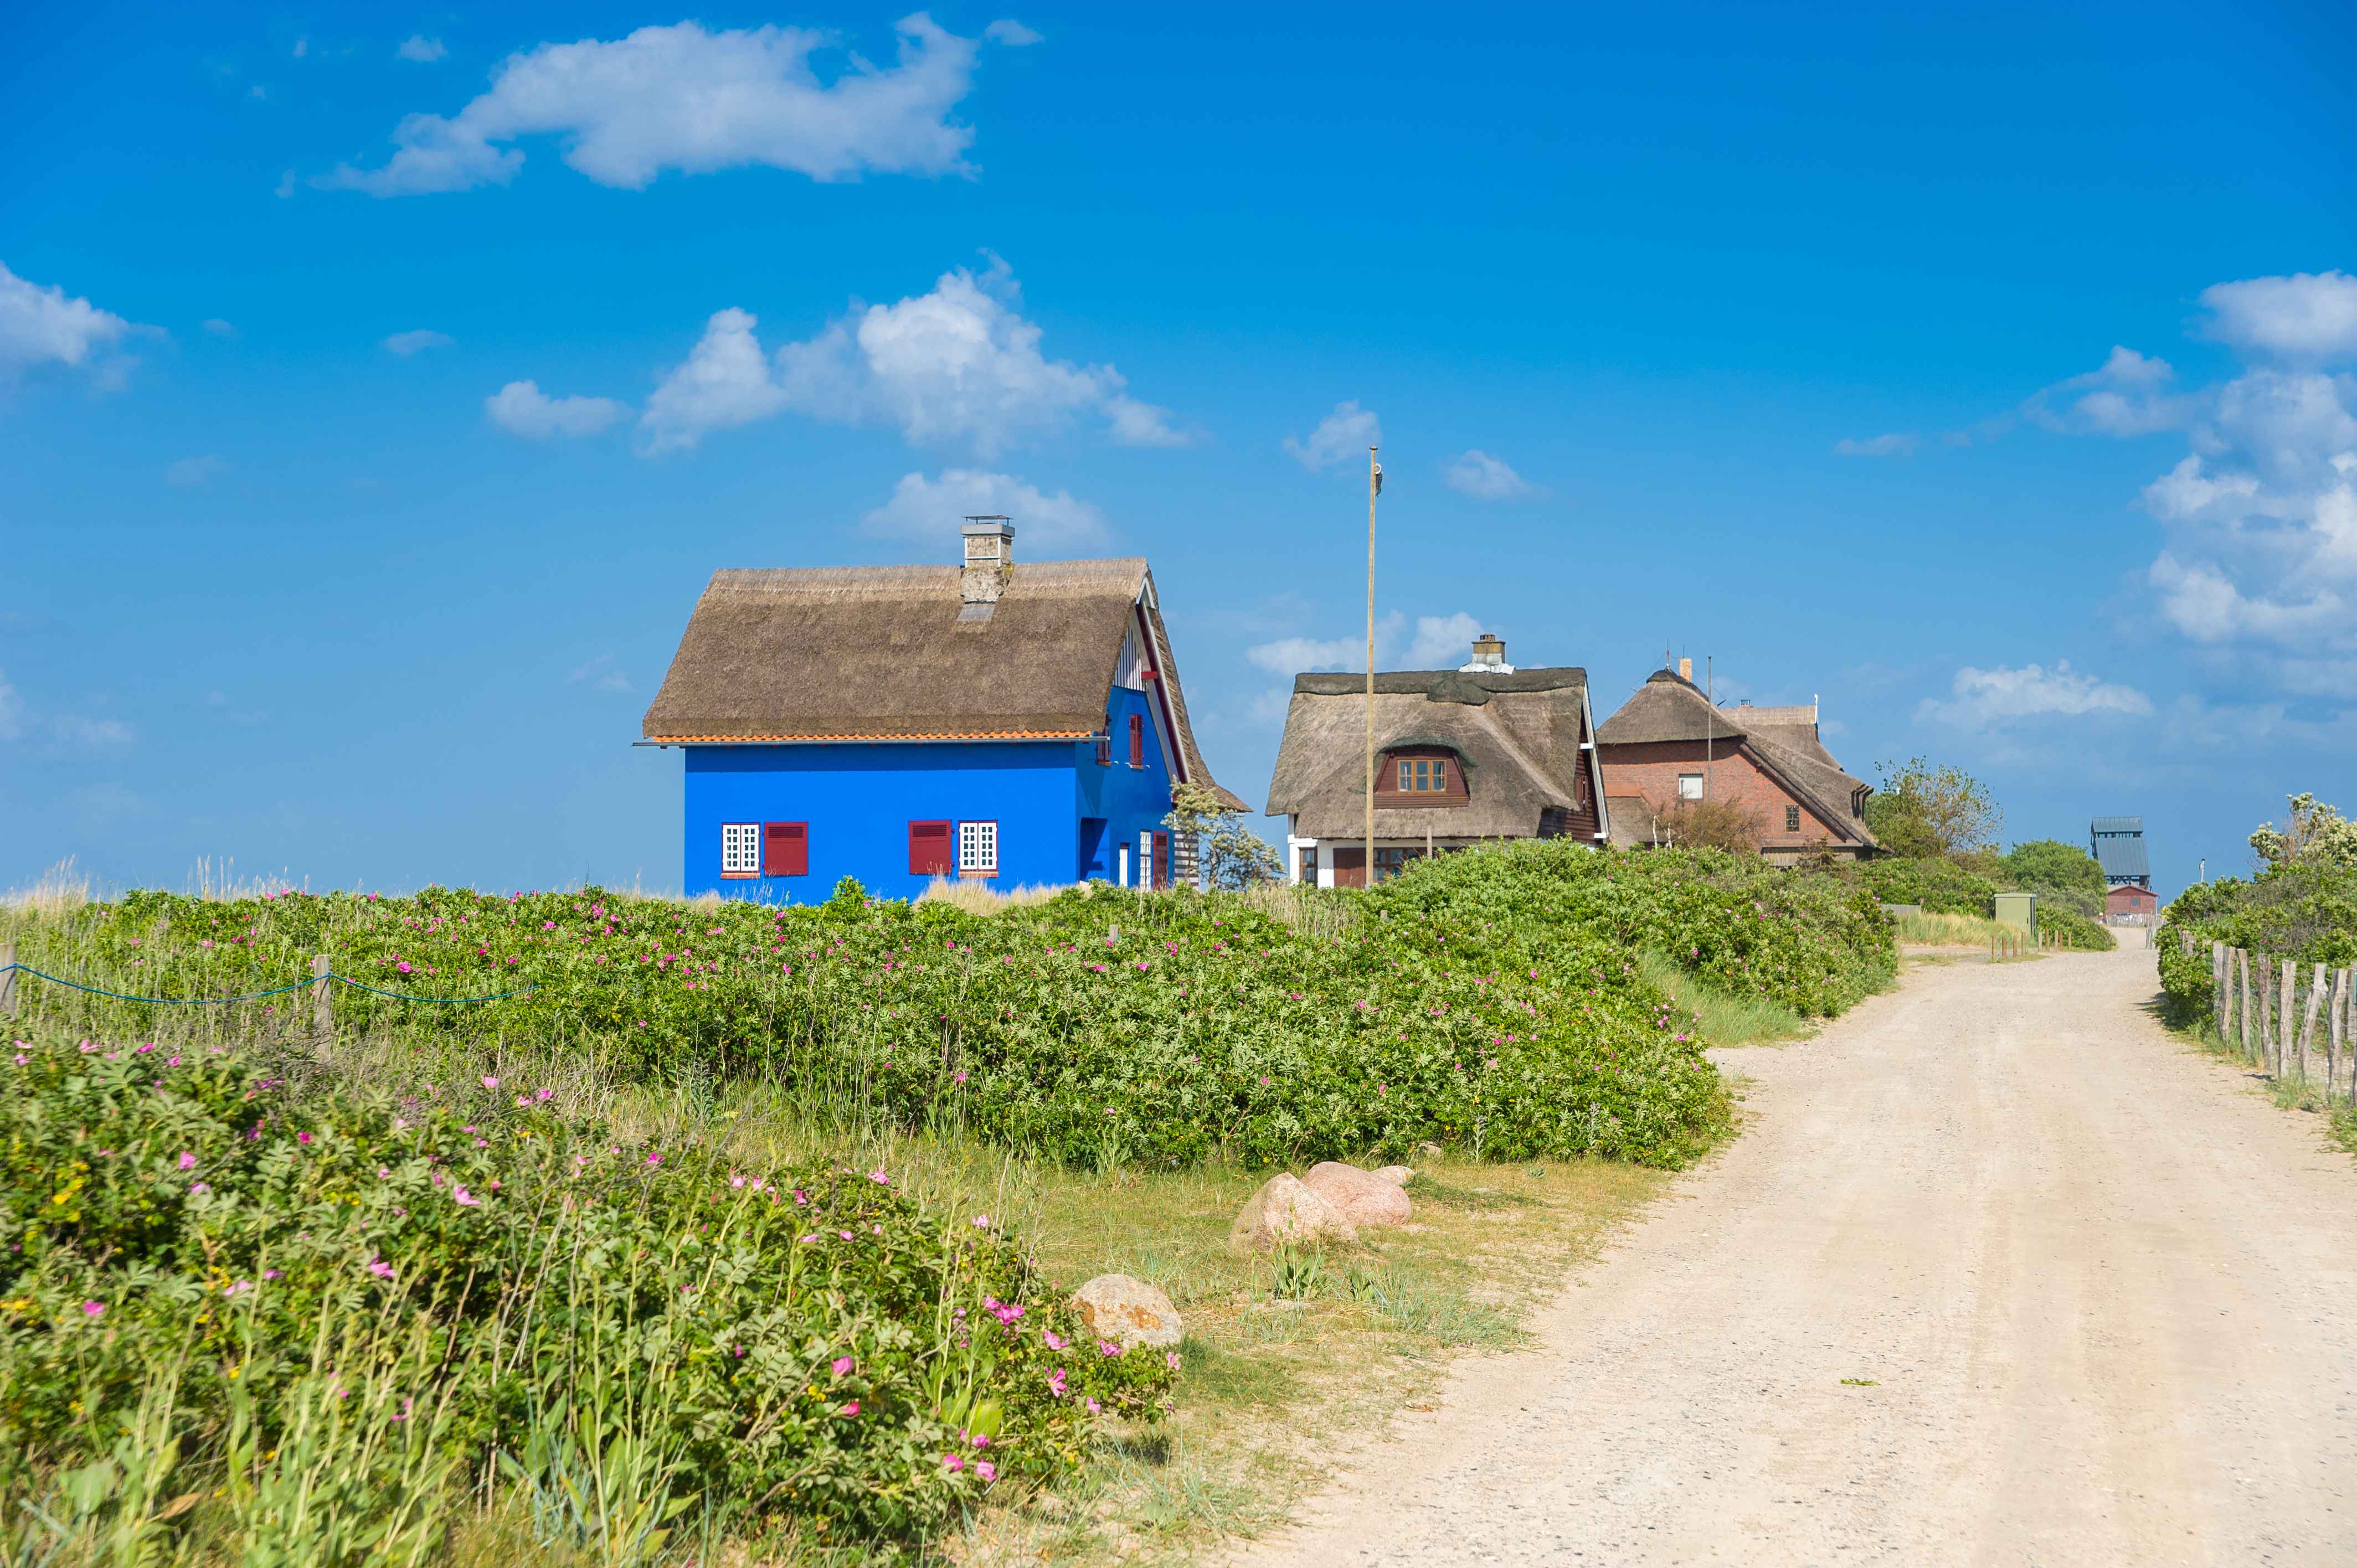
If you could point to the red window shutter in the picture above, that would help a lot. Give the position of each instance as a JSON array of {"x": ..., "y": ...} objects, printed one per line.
[
  {"x": 932, "y": 850},
  {"x": 1162, "y": 860},
  {"x": 785, "y": 849},
  {"x": 1137, "y": 740}
]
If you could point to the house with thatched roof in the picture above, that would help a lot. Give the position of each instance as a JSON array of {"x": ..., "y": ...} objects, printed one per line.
[
  {"x": 1463, "y": 755},
  {"x": 982, "y": 719},
  {"x": 1670, "y": 746}
]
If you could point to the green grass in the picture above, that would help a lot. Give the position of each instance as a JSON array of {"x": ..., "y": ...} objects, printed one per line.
[{"x": 1725, "y": 1020}]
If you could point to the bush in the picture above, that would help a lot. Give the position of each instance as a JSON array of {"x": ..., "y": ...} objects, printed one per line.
[
  {"x": 2302, "y": 909},
  {"x": 2069, "y": 930},
  {"x": 1940, "y": 886},
  {"x": 317, "y": 1314}
]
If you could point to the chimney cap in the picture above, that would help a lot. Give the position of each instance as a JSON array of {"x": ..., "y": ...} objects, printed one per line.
[{"x": 989, "y": 523}]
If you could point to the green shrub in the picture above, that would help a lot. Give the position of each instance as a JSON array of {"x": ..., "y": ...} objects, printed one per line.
[
  {"x": 1940, "y": 886},
  {"x": 2069, "y": 929},
  {"x": 318, "y": 1310},
  {"x": 2302, "y": 909}
]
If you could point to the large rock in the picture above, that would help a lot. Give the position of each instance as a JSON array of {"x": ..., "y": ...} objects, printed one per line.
[
  {"x": 1283, "y": 1212},
  {"x": 1398, "y": 1176},
  {"x": 1128, "y": 1312},
  {"x": 1362, "y": 1197}
]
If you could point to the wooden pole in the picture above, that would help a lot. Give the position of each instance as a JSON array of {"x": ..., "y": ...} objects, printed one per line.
[
  {"x": 323, "y": 1017},
  {"x": 2286, "y": 1004},
  {"x": 2218, "y": 998},
  {"x": 1374, "y": 489},
  {"x": 2243, "y": 978},
  {"x": 2308, "y": 1016},
  {"x": 2336, "y": 1020},
  {"x": 7, "y": 980}
]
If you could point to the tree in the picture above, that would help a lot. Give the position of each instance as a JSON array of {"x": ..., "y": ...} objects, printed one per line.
[
  {"x": 2318, "y": 835},
  {"x": 1931, "y": 811},
  {"x": 1707, "y": 825},
  {"x": 2049, "y": 865},
  {"x": 1233, "y": 857}
]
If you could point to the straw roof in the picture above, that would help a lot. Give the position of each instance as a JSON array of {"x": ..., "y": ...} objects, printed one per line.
[
  {"x": 889, "y": 653},
  {"x": 1517, "y": 737}
]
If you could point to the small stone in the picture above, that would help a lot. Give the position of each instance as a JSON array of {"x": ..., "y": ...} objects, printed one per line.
[
  {"x": 1429, "y": 1150},
  {"x": 1398, "y": 1176},
  {"x": 1285, "y": 1212},
  {"x": 1128, "y": 1312},
  {"x": 1362, "y": 1197}
]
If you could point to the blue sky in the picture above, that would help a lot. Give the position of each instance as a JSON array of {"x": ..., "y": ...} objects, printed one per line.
[{"x": 377, "y": 390}]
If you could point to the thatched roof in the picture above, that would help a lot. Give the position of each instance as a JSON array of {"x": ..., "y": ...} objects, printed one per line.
[
  {"x": 887, "y": 653},
  {"x": 1670, "y": 707},
  {"x": 1518, "y": 736}
]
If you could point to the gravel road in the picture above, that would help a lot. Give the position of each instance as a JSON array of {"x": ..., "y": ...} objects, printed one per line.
[{"x": 2104, "y": 1298}]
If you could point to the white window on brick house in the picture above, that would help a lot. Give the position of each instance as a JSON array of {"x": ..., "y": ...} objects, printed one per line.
[
  {"x": 977, "y": 849},
  {"x": 1689, "y": 786},
  {"x": 740, "y": 849}
]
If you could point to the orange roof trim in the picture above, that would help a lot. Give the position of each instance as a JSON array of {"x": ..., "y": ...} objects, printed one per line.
[{"x": 956, "y": 734}]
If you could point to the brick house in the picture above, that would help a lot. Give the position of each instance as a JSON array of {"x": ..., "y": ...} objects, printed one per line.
[
  {"x": 1669, "y": 743},
  {"x": 2118, "y": 845},
  {"x": 1463, "y": 755}
]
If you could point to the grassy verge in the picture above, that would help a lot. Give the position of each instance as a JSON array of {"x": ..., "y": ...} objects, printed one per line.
[
  {"x": 1722, "y": 1019},
  {"x": 2289, "y": 1093}
]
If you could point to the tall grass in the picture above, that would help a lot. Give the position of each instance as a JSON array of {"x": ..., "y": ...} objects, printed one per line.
[
  {"x": 982, "y": 898},
  {"x": 1950, "y": 930},
  {"x": 1725, "y": 1020}
]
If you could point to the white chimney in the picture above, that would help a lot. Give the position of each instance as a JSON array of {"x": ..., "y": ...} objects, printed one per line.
[
  {"x": 989, "y": 558},
  {"x": 1488, "y": 657}
]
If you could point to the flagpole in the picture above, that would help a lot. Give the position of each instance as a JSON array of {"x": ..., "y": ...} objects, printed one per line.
[{"x": 1374, "y": 489}]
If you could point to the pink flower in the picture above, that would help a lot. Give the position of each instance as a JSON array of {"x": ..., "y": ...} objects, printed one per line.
[
  {"x": 380, "y": 1268},
  {"x": 1049, "y": 1335},
  {"x": 1170, "y": 1358},
  {"x": 1094, "y": 1408},
  {"x": 654, "y": 1159},
  {"x": 302, "y": 1137},
  {"x": 93, "y": 1309},
  {"x": 982, "y": 1222},
  {"x": 489, "y": 1082},
  {"x": 851, "y": 1409},
  {"x": 845, "y": 1234},
  {"x": 187, "y": 1161},
  {"x": 1107, "y": 1348},
  {"x": 842, "y": 1365},
  {"x": 1056, "y": 1382},
  {"x": 734, "y": 1180},
  {"x": 952, "y": 1462},
  {"x": 461, "y": 1196},
  {"x": 980, "y": 1441},
  {"x": 987, "y": 1470}
]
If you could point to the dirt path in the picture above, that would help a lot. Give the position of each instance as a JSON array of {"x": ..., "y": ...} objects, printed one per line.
[{"x": 2108, "y": 1298}]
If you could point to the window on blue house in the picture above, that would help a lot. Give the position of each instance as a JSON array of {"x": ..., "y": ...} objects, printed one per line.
[
  {"x": 1137, "y": 740},
  {"x": 1104, "y": 749},
  {"x": 740, "y": 849},
  {"x": 977, "y": 849}
]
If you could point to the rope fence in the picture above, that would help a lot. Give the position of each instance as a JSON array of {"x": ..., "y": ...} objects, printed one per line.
[
  {"x": 322, "y": 979},
  {"x": 2255, "y": 1000}
]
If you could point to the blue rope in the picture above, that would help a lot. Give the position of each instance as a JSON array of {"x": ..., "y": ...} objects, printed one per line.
[
  {"x": 256, "y": 996},
  {"x": 169, "y": 1001}
]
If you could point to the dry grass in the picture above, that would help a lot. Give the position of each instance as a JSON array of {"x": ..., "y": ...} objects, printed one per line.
[
  {"x": 60, "y": 890},
  {"x": 1949, "y": 930},
  {"x": 1725, "y": 1020},
  {"x": 982, "y": 898},
  {"x": 1314, "y": 912}
]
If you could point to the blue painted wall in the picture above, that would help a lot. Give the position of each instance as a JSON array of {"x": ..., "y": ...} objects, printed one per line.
[{"x": 1049, "y": 797}]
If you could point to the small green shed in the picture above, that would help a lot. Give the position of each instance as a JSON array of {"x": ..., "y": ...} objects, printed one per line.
[{"x": 2018, "y": 910}]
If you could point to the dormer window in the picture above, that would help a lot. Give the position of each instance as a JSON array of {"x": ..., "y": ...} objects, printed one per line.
[{"x": 1424, "y": 774}]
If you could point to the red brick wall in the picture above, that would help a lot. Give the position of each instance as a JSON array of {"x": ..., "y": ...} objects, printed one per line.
[
  {"x": 1651, "y": 768},
  {"x": 2129, "y": 900}
]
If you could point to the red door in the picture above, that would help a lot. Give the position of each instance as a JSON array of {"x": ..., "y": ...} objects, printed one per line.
[{"x": 1350, "y": 867}]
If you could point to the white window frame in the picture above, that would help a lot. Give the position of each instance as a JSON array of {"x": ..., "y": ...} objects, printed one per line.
[
  {"x": 1145, "y": 858},
  {"x": 740, "y": 849},
  {"x": 1689, "y": 786},
  {"x": 977, "y": 849}
]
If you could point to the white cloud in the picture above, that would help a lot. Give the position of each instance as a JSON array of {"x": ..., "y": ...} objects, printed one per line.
[
  {"x": 2304, "y": 317},
  {"x": 1013, "y": 34},
  {"x": 219, "y": 328},
  {"x": 421, "y": 49},
  {"x": 44, "y": 325},
  {"x": 285, "y": 187},
  {"x": 958, "y": 365},
  {"x": 193, "y": 471},
  {"x": 1986, "y": 699},
  {"x": 1484, "y": 478},
  {"x": 1343, "y": 434},
  {"x": 2125, "y": 396},
  {"x": 1443, "y": 643},
  {"x": 604, "y": 673},
  {"x": 76, "y": 729},
  {"x": 1433, "y": 642},
  {"x": 407, "y": 343},
  {"x": 932, "y": 509},
  {"x": 680, "y": 98},
  {"x": 1897, "y": 444},
  {"x": 520, "y": 408}
]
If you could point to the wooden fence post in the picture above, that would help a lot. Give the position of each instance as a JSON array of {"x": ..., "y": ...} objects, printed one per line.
[
  {"x": 2242, "y": 980},
  {"x": 2286, "y": 1008},
  {"x": 7, "y": 980},
  {"x": 2337, "y": 1016},
  {"x": 2218, "y": 989},
  {"x": 323, "y": 1017},
  {"x": 2308, "y": 1016}
]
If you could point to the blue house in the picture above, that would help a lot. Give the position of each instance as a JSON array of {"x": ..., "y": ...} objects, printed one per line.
[{"x": 1012, "y": 724}]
